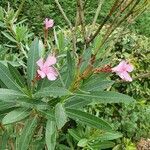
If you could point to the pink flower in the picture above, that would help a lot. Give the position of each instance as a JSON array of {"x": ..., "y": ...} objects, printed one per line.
[
  {"x": 122, "y": 70},
  {"x": 46, "y": 68},
  {"x": 48, "y": 23}
]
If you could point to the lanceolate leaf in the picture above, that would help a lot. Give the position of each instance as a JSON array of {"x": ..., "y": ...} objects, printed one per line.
[
  {"x": 75, "y": 134},
  {"x": 9, "y": 37},
  {"x": 16, "y": 75},
  {"x": 86, "y": 58},
  {"x": 27, "y": 133},
  {"x": 15, "y": 115},
  {"x": 103, "y": 145},
  {"x": 70, "y": 69},
  {"x": 53, "y": 92},
  {"x": 9, "y": 95},
  {"x": 88, "y": 119},
  {"x": 50, "y": 114},
  {"x": 60, "y": 116},
  {"x": 109, "y": 136},
  {"x": 97, "y": 85},
  {"x": 4, "y": 140},
  {"x": 76, "y": 102},
  {"x": 5, "y": 105},
  {"x": 7, "y": 79},
  {"x": 33, "y": 57},
  {"x": 50, "y": 135},
  {"x": 106, "y": 97}
]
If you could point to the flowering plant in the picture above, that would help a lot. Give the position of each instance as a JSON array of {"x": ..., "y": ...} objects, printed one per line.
[{"x": 58, "y": 84}]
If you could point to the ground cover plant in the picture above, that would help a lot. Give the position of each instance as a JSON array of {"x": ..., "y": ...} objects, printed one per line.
[{"x": 50, "y": 82}]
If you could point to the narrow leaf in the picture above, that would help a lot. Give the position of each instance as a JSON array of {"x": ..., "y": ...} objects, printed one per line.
[
  {"x": 74, "y": 134},
  {"x": 50, "y": 135},
  {"x": 16, "y": 75},
  {"x": 15, "y": 115},
  {"x": 76, "y": 102},
  {"x": 9, "y": 37},
  {"x": 9, "y": 95},
  {"x": 27, "y": 133},
  {"x": 109, "y": 136},
  {"x": 106, "y": 97},
  {"x": 70, "y": 69},
  {"x": 103, "y": 145},
  {"x": 97, "y": 85},
  {"x": 33, "y": 57},
  {"x": 88, "y": 119},
  {"x": 7, "y": 79},
  {"x": 52, "y": 91},
  {"x": 5, "y": 105},
  {"x": 60, "y": 116}
]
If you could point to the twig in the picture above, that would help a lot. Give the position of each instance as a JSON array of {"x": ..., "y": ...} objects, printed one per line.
[
  {"x": 19, "y": 9},
  {"x": 111, "y": 29},
  {"x": 96, "y": 15},
  {"x": 69, "y": 24},
  {"x": 63, "y": 13},
  {"x": 80, "y": 10},
  {"x": 112, "y": 10}
]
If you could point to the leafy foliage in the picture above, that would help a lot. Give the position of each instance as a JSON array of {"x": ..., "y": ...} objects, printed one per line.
[{"x": 40, "y": 114}]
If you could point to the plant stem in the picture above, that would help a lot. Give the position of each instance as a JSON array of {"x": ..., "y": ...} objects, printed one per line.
[
  {"x": 111, "y": 29},
  {"x": 96, "y": 16},
  {"x": 81, "y": 18},
  {"x": 112, "y": 10},
  {"x": 19, "y": 10},
  {"x": 69, "y": 24}
]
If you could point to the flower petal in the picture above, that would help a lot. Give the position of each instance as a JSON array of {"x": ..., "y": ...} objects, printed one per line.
[
  {"x": 40, "y": 63},
  {"x": 119, "y": 67},
  {"x": 41, "y": 73},
  {"x": 129, "y": 67},
  {"x": 51, "y": 60},
  {"x": 51, "y": 76},
  {"x": 125, "y": 76}
]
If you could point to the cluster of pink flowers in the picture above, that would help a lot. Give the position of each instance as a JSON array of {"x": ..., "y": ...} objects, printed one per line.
[{"x": 46, "y": 68}]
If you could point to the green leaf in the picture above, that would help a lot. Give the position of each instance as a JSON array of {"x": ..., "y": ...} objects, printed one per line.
[
  {"x": 50, "y": 114},
  {"x": 76, "y": 102},
  {"x": 74, "y": 134},
  {"x": 33, "y": 56},
  {"x": 61, "y": 41},
  {"x": 27, "y": 133},
  {"x": 82, "y": 143},
  {"x": 52, "y": 91},
  {"x": 103, "y": 145},
  {"x": 88, "y": 119},
  {"x": 85, "y": 59},
  {"x": 97, "y": 85},
  {"x": 15, "y": 116},
  {"x": 4, "y": 141},
  {"x": 50, "y": 135},
  {"x": 9, "y": 95},
  {"x": 109, "y": 136},
  {"x": 1, "y": 13},
  {"x": 16, "y": 75},
  {"x": 60, "y": 116},
  {"x": 7, "y": 79},
  {"x": 106, "y": 97},
  {"x": 9, "y": 37},
  {"x": 2, "y": 24},
  {"x": 5, "y": 105},
  {"x": 70, "y": 69}
]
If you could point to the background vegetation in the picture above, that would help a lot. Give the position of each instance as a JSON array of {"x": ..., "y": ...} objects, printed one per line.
[{"x": 135, "y": 46}]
